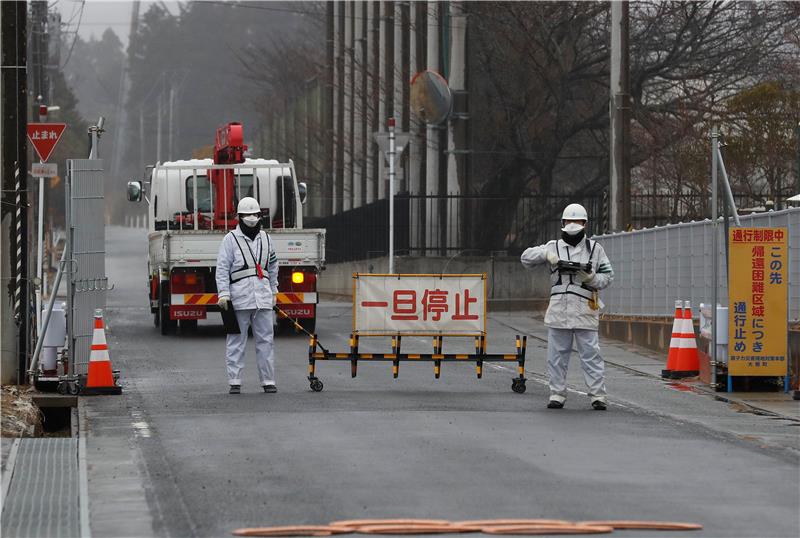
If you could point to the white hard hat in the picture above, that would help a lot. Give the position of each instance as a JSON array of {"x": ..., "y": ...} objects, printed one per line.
[
  {"x": 574, "y": 212},
  {"x": 248, "y": 206}
]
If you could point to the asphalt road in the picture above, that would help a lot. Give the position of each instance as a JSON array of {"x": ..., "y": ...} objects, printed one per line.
[{"x": 203, "y": 462}]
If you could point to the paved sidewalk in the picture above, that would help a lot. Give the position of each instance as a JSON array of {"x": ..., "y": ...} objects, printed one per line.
[{"x": 634, "y": 378}]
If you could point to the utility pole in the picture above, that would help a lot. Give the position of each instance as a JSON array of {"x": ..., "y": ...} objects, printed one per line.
[
  {"x": 339, "y": 109},
  {"x": 39, "y": 56},
  {"x": 797, "y": 164},
  {"x": 359, "y": 100},
  {"x": 620, "y": 112},
  {"x": 416, "y": 128},
  {"x": 456, "y": 131},
  {"x": 124, "y": 121},
  {"x": 170, "y": 146},
  {"x": 347, "y": 82},
  {"x": 383, "y": 86},
  {"x": 159, "y": 113},
  {"x": 39, "y": 53},
  {"x": 330, "y": 114},
  {"x": 432, "y": 217},
  {"x": 54, "y": 48},
  {"x": 392, "y": 153},
  {"x": 141, "y": 136},
  {"x": 14, "y": 104}
]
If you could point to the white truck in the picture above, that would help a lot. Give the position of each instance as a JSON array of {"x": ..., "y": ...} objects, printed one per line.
[{"x": 187, "y": 224}]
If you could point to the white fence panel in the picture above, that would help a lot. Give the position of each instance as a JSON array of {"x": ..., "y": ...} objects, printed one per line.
[
  {"x": 87, "y": 281},
  {"x": 656, "y": 266}
]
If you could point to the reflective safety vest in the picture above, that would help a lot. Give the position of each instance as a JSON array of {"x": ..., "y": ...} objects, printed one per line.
[
  {"x": 253, "y": 267},
  {"x": 574, "y": 288}
]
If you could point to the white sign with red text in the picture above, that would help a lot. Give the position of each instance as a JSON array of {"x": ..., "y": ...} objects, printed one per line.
[
  {"x": 44, "y": 169},
  {"x": 419, "y": 305}
]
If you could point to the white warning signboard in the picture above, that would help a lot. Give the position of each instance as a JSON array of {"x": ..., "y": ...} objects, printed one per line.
[
  {"x": 419, "y": 305},
  {"x": 44, "y": 169}
]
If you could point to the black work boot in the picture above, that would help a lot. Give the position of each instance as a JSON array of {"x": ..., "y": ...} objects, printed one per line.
[
  {"x": 235, "y": 389},
  {"x": 270, "y": 389},
  {"x": 555, "y": 404},
  {"x": 599, "y": 405}
]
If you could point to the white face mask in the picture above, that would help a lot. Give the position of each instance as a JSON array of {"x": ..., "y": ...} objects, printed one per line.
[
  {"x": 573, "y": 228},
  {"x": 250, "y": 220}
]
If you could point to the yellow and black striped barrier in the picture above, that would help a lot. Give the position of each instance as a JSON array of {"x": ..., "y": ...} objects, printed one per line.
[{"x": 318, "y": 353}]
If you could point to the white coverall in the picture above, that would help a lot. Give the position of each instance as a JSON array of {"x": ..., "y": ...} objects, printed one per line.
[
  {"x": 251, "y": 297},
  {"x": 569, "y": 315}
]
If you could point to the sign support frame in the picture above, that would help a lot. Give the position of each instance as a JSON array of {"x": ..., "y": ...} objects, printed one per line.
[{"x": 437, "y": 357}]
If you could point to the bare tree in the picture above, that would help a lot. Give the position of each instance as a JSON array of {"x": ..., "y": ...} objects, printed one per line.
[{"x": 540, "y": 86}]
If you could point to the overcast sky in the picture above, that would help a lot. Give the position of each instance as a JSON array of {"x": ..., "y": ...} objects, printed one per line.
[{"x": 99, "y": 15}]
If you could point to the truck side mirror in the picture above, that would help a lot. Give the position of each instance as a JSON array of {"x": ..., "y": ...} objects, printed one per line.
[
  {"x": 303, "y": 191},
  {"x": 135, "y": 191}
]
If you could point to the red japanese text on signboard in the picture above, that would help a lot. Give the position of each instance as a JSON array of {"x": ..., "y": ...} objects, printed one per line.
[{"x": 419, "y": 304}]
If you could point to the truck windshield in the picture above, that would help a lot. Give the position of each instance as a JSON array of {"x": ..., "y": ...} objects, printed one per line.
[
  {"x": 285, "y": 213},
  {"x": 243, "y": 186},
  {"x": 203, "y": 194}
]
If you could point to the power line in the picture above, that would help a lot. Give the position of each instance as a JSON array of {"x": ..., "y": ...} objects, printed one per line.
[{"x": 75, "y": 39}]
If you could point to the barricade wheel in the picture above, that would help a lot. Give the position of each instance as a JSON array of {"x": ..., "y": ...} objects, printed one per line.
[
  {"x": 73, "y": 389},
  {"x": 518, "y": 385},
  {"x": 316, "y": 385},
  {"x": 62, "y": 387}
]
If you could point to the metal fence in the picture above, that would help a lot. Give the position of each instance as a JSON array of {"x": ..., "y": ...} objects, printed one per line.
[
  {"x": 363, "y": 233},
  {"x": 87, "y": 282},
  {"x": 656, "y": 266},
  {"x": 448, "y": 225},
  {"x": 477, "y": 225}
]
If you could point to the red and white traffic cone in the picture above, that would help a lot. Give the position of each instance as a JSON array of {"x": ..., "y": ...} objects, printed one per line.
[
  {"x": 100, "y": 378},
  {"x": 688, "y": 364},
  {"x": 674, "y": 341}
]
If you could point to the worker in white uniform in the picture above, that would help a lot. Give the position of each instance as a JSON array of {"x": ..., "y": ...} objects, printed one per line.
[
  {"x": 247, "y": 281},
  {"x": 574, "y": 309}
]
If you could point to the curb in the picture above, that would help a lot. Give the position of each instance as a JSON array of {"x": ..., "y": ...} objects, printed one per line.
[{"x": 720, "y": 396}]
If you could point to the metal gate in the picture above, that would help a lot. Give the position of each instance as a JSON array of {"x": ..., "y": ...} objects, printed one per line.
[{"x": 86, "y": 244}]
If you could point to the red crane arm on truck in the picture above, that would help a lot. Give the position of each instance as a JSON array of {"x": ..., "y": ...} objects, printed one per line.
[{"x": 229, "y": 148}]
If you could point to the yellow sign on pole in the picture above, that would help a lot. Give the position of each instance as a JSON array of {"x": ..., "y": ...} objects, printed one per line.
[{"x": 757, "y": 295}]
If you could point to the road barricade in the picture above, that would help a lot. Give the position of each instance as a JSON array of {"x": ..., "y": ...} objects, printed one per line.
[{"x": 418, "y": 305}]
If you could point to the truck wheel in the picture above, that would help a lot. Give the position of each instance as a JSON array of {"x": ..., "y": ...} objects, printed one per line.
[{"x": 167, "y": 325}]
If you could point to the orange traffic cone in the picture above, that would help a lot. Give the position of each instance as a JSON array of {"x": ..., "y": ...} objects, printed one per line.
[
  {"x": 688, "y": 364},
  {"x": 674, "y": 341},
  {"x": 100, "y": 378}
]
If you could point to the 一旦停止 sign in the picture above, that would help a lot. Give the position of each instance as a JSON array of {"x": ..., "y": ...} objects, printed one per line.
[{"x": 419, "y": 304}]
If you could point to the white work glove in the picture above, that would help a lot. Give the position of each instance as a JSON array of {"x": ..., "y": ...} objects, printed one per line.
[
  {"x": 585, "y": 277},
  {"x": 223, "y": 302},
  {"x": 274, "y": 299},
  {"x": 552, "y": 257}
]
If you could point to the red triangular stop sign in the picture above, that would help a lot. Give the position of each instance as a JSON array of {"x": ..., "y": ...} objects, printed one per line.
[{"x": 44, "y": 137}]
